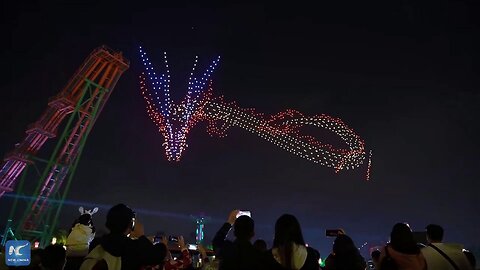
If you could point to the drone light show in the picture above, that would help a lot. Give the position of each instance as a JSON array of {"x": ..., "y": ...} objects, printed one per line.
[{"x": 175, "y": 120}]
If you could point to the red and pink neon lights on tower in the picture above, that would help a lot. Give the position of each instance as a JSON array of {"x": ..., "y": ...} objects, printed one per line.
[{"x": 175, "y": 120}]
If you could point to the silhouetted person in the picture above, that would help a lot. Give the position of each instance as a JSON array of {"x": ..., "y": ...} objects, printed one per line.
[
  {"x": 239, "y": 254},
  {"x": 289, "y": 250},
  {"x": 403, "y": 250},
  {"x": 125, "y": 242},
  {"x": 345, "y": 255},
  {"x": 260, "y": 245},
  {"x": 443, "y": 256},
  {"x": 54, "y": 257}
]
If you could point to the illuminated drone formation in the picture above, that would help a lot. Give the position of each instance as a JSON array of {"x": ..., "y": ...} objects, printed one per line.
[{"x": 174, "y": 121}]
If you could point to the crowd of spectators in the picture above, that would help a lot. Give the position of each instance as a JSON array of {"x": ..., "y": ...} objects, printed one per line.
[{"x": 127, "y": 247}]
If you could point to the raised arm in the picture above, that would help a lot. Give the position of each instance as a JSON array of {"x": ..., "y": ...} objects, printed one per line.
[{"x": 219, "y": 239}]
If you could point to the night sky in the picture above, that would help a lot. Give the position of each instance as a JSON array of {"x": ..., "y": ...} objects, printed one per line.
[{"x": 400, "y": 73}]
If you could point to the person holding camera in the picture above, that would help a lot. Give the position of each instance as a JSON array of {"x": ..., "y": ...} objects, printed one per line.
[
  {"x": 184, "y": 262},
  {"x": 126, "y": 246},
  {"x": 345, "y": 255},
  {"x": 239, "y": 254}
]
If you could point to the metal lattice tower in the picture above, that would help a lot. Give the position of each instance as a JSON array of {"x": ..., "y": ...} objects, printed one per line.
[{"x": 82, "y": 100}]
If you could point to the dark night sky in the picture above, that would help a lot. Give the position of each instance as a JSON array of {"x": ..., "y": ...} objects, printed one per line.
[{"x": 401, "y": 74}]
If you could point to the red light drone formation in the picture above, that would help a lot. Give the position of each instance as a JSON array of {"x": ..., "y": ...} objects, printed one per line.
[{"x": 174, "y": 121}]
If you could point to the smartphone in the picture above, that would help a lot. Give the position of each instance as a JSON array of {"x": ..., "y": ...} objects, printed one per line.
[
  {"x": 172, "y": 238},
  {"x": 244, "y": 213},
  {"x": 192, "y": 247},
  {"x": 333, "y": 232}
]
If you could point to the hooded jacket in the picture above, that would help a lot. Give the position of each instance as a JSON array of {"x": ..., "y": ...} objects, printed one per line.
[{"x": 79, "y": 240}]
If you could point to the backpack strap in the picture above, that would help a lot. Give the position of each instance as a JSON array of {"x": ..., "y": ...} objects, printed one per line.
[{"x": 445, "y": 256}]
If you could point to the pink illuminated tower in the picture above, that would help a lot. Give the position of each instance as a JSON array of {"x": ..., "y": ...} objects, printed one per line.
[{"x": 79, "y": 103}]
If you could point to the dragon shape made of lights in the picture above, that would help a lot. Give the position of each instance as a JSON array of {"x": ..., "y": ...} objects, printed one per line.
[{"x": 175, "y": 120}]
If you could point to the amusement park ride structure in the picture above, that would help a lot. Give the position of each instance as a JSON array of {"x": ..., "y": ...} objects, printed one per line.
[
  {"x": 80, "y": 102},
  {"x": 83, "y": 100}
]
